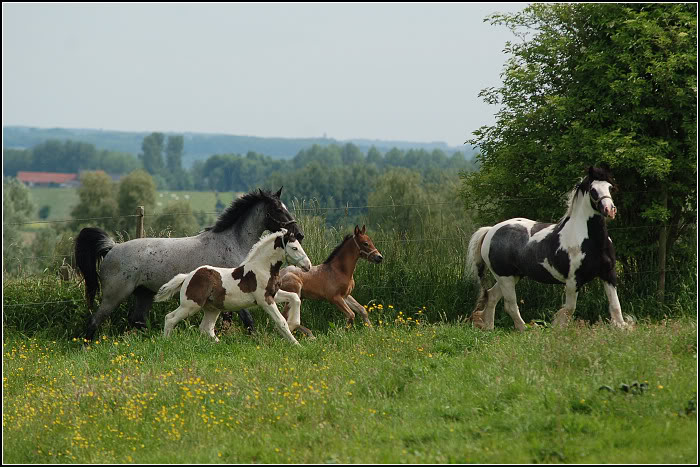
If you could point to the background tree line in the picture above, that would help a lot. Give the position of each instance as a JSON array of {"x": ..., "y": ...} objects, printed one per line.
[{"x": 67, "y": 156}]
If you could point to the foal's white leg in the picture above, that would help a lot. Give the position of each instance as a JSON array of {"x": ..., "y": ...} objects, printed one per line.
[
  {"x": 183, "y": 311},
  {"x": 211, "y": 314},
  {"x": 511, "y": 302},
  {"x": 614, "y": 305},
  {"x": 279, "y": 321},
  {"x": 294, "y": 317},
  {"x": 564, "y": 315}
]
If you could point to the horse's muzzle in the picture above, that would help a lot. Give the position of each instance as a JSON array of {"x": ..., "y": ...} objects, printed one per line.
[
  {"x": 377, "y": 258},
  {"x": 610, "y": 212},
  {"x": 305, "y": 265}
]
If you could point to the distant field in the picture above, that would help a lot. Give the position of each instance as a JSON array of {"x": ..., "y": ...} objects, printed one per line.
[{"x": 62, "y": 200}]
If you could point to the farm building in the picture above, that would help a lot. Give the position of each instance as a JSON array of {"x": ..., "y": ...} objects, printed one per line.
[{"x": 48, "y": 178}]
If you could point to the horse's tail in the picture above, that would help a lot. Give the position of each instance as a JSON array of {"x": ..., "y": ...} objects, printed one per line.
[
  {"x": 91, "y": 245},
  {"x": 477, "y": 266},
  {"x": 170, "y": 288}
]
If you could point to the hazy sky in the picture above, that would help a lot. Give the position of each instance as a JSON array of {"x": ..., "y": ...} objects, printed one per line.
[{"x": 390, "y": 71}]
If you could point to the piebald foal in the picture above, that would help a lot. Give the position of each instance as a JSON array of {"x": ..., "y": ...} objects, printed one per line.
[{"x": 255, "y": 281}]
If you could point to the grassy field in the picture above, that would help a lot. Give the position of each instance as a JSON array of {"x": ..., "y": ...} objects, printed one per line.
[
  {"x": 401, "y": 392},
  {"x": 421, "y": 386},
  {"x": 62, "y": 200}
]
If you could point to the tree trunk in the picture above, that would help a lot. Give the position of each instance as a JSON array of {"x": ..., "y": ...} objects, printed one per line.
[{"x": 663, "y": 243}]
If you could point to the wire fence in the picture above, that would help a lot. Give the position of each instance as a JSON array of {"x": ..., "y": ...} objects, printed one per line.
[{"x": 297, "y": 208}]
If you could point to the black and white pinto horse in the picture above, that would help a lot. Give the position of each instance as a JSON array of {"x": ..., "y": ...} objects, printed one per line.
[
  {"x": 572, "y": 252},
  {"x": 141, "y": 266}
]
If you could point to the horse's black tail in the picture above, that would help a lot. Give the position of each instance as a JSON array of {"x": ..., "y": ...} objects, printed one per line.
[
  {"x": 91, "y": 245},
  {"x": 477, "y": 266}
]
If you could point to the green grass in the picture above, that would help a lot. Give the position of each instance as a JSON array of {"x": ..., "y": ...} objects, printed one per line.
[
  {"x": 429, "y": 389},
  {"x": 397, "y": 393},
  {"x": 62, "y": 200}
]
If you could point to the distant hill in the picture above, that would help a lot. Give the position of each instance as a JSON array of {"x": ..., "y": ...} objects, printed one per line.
[{"x": 202, "y": 145}]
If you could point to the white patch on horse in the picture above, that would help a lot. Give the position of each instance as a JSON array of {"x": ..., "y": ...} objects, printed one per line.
[
  {"x": 553, "y": 271},
  {"x": 539, "y": 236}
]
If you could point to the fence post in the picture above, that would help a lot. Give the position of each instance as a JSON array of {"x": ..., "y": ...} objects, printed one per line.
[{"x": 140, "y": 212}]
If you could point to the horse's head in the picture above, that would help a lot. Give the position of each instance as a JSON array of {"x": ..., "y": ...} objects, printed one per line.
[
  {"x": 278, "y": 217},
  {"x": 366, "y": 246},
  {"x": 601, "y": 187},
  {"x": 293, "y": 250}
]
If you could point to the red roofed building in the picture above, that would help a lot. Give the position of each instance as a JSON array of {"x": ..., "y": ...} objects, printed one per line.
[{"x": 48, "y": 178}]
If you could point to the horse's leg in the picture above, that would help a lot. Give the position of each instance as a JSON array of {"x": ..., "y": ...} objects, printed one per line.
[
  {"x": 290, "y": 282},
  {"x": 564, "y": 315},
  {"x": 183, "y": 311},
  {"x": 247, "y": 319},
  {"x": 144, "y": 300},
  {"x": 280, "y": 323},
  {"x": 355, "y": 306},
  {"x": 293, "y": 304},
  {"x": 484, "y": 319},
  {"x": 342, "y": 306},
  {"x": 112, "y": 295},
  {"x": 507, "y": 285},
  {"x": 305, "y": 330},
  {"x": 614, "y": 305},
  {"x": 211, "y": 314}
]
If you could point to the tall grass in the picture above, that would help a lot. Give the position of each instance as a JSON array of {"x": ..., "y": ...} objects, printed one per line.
[{"x": 424, "y": 270}]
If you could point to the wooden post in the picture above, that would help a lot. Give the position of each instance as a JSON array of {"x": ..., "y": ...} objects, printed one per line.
[{"x": 140, "y": 212}]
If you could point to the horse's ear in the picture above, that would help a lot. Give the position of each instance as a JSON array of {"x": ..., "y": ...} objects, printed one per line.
[
  {"x": 363, "y": 229},
  {"x": 357, "y": 229},
  {"x": 591, "y": 172},
  {"x": 279, "y": 193}
]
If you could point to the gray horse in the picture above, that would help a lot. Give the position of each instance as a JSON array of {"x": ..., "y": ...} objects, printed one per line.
[{"x": 141, "y": 266}]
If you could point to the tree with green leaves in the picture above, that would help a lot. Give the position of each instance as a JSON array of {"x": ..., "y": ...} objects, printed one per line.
[
  {"x": 152, "y": 153},
  {"x": 173, "y": 152},
  {"x": 136, "y": 189},
  {"x": 176, "y": 220},
  {"x": 589, "y": 84},
  {"x": 16, "y": 208},
  {"x": 97, "y": 203}
]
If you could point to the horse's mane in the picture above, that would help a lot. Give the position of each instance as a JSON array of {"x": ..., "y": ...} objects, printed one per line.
[
  {"x": 264, "y": 240},
  {"x": 334, "y": 253},
  {"x": 239, "y": 207},
  {"x": 584, "y": 186}
]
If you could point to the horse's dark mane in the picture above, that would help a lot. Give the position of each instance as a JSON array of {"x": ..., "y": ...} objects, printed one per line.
[
  {"x": 334, "y": 253},
  {"x": 239, "y": 207},
  {"x": 595, "y": 173}
]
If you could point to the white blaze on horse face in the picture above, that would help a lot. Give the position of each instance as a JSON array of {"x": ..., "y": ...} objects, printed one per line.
[
  {"x": 607, "y": 207},
  {"x": 297, "y": 255}
]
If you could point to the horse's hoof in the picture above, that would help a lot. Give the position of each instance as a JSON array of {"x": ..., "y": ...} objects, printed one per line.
[
  {"x": 477, "y": 320},
  {"x": 562, "y": 318}
]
